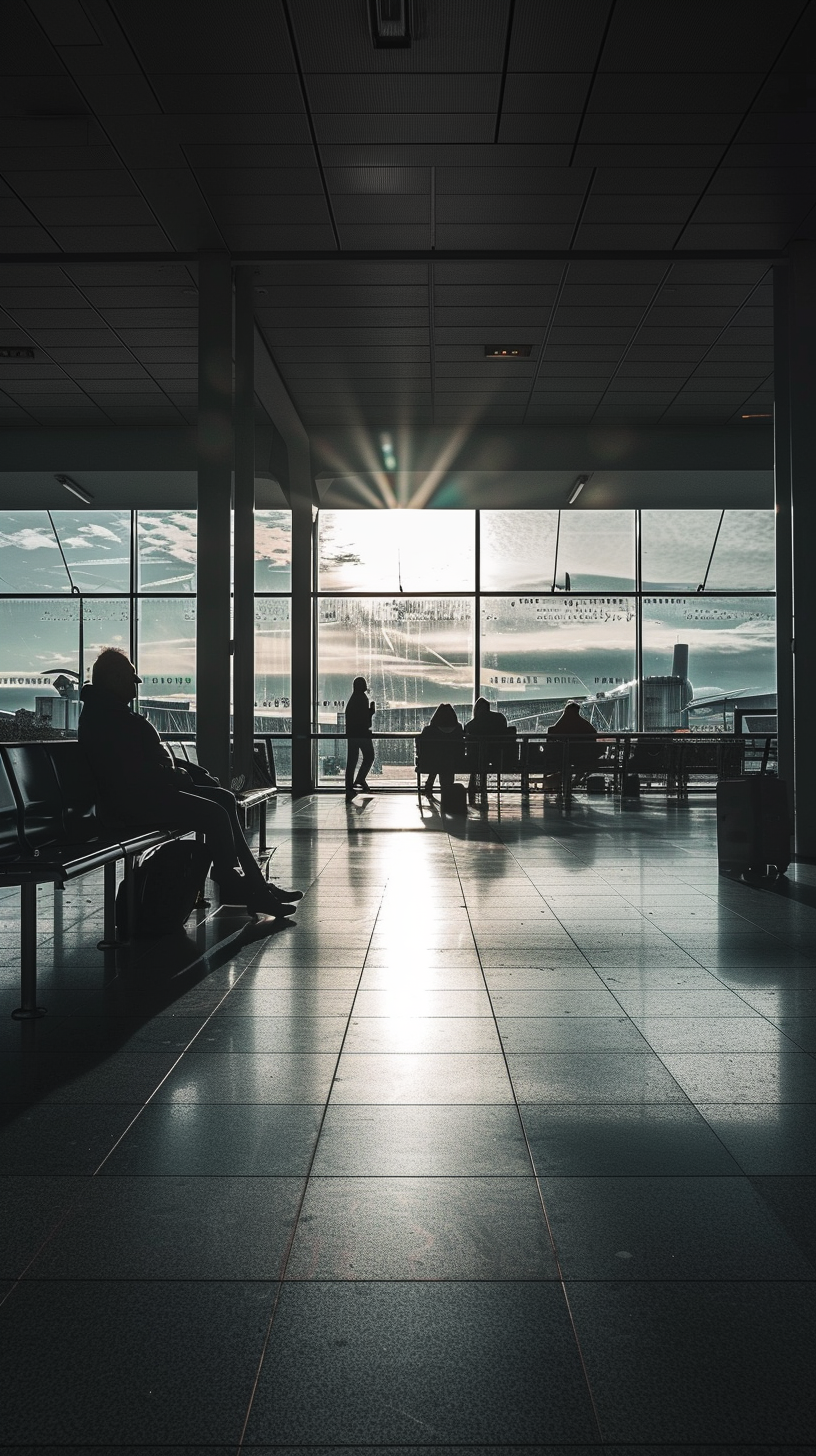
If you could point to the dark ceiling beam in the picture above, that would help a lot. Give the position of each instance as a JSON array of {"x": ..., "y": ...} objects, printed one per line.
[{"x": 423, "y": 255}]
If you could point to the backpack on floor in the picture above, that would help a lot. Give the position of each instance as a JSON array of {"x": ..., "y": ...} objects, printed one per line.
[
  {"x": 454, "y": 799},
  {"x": 167, "y": 884}
]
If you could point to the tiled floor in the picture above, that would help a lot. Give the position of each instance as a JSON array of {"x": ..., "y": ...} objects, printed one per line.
[{"x": 509, "y": 1142}]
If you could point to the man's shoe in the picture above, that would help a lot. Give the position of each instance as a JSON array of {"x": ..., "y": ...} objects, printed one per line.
[
  {"x": 261, "y": 903},
  {"x": 285, "y": 894}
]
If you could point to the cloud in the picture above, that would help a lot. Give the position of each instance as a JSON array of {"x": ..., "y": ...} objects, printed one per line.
[
  {"x": 28, "y": 539},
  {"x": 172, "y": 535}
]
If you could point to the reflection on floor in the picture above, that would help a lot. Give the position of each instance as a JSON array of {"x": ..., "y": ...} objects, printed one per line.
[{"x": 510, "y": 1140}]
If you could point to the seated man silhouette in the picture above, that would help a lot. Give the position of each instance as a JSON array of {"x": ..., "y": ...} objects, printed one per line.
[
  {"x": 582, "y": 756},
  {"x": 440, "y": 743},
  {"x": 139, "y": 783},
  {"x": 485, "y": 724}
]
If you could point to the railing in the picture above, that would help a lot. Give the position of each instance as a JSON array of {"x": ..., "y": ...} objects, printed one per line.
[
  {"x": 674, "y": 764},
  {"x": 670, "y": 763}
]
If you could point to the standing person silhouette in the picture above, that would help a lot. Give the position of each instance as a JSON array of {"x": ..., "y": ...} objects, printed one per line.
[{"x": 359, "y": 713}]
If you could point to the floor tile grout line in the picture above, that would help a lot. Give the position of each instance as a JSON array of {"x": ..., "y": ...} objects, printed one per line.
[
  {"x": 299, "y": 1209},
  {"x": 81, "y": 1193},
  {"x": 68, "y": 1211},
  {"x": 550, "y": 1235}
]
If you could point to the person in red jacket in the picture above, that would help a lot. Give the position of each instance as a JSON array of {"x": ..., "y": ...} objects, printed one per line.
[{"x": 139, "y": 782}]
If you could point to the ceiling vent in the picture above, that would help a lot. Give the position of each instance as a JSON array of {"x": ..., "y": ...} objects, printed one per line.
[
  {"x": 20, "y": 356},
  {"x": 390, "y": 23},
  {"x": 521, "y": 351}
]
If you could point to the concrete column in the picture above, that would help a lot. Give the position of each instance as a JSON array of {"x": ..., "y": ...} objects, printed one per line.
[
  {"x": 300, "y": 498},
  {"x": 783, "y": 528},
  {"x": 243, "y": 574},
  {"x": 215, "y": 460},
  {"x": 801, "y": 358}
]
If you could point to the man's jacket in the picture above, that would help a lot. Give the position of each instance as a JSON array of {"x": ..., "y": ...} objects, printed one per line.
[{"x": 135, "y": 777}]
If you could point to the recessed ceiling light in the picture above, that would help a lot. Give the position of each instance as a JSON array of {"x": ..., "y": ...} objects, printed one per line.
[
  {"x": 387, "y": 448},
  {"x": 765, "y": 416},
  {"x": 19, "y": 355},
  {"x": 521, "y": 351},
  {"x": 390, "y": 23},
  {"x": 576, "y": 489},
  {"x": 78, "y": 490}
]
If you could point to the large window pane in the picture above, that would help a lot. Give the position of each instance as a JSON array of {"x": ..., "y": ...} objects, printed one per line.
[
  {"x": 166, "y": 663},
  {"x": 677, "y": 545},
  {"x": 106, "y": 623},
  {"x": 167, "y": 551},
  {"x": 744, "y": 558},
  {"x": 539, "y": 652},
  {"x": 414, "y": 653},
  {"x": 97, "y": 548},
  {"x": 30, "y": 558},
  {"x": 517, "y": 550},
  {"x": 400, "y": 550},
  {"x": 273, "y": 551},
  {"x": 273, "y": 670},
  {"x": 38, "y": 637},
  {"x": 731, "y": 645},
  {"x": 533, "y": 550}
]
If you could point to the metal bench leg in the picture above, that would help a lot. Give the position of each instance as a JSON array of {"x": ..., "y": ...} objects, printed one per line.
[
  {"x": 130, "y": 894},
  {"x": 29, "y": 1010},
  {"x": 262, "y": 828},
  {"x": 109, "y": 941}
]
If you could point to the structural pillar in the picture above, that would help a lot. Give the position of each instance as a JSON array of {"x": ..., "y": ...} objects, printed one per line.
[
  {"x": 243, "y": 574},
  {"x": 300, "y": 499},
  {"x": 801, "y": 362},
  {"x": 783, "y": 534},
  {"x": 215, "y": 461}
]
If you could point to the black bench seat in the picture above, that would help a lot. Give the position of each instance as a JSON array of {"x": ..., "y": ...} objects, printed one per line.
[{"x": 49, "y": 835}]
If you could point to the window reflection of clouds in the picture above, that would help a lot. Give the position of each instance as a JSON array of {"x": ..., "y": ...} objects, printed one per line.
[
  {"x": 676, "y": 546},
  {"x": 273, "y": 550},
  {"x": 596, "y": 548},
  {"x": 167, "y": 550}
]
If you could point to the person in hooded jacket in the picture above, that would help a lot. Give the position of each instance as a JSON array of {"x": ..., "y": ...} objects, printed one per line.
[{"x": 138, "y": 782}]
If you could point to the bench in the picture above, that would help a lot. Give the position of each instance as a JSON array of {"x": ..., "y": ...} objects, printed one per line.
[
  {"x": 247, "y": 800},
  {"x": 49, "y": 836}
]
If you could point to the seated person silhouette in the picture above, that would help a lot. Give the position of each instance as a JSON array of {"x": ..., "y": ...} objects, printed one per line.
[
  {"x": 139, "y": 783},
  {"x": 440, "y": 744},
  {"x": 485, "y": 724},
  {"x": 359, "y": 713},
  {"x": 582, "y": 756}
]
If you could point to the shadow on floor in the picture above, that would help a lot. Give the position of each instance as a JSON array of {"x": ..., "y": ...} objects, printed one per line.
[{"x": 137, "y": 984}]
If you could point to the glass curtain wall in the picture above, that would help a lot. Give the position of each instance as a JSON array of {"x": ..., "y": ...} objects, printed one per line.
[
  {"x": 651, "y": 619},
  {"x": 73, "y": 582}
]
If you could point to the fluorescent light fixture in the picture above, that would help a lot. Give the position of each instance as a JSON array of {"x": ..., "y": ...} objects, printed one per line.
[
  {"x": 519, "y": 351},
  {"x": 387, "y": 448},
  {"x": 390, "y": 23},
  {"x": 576, "y": 489},
  {"x": 78, "y": 490},
  {"x": 765, "y": 416}
]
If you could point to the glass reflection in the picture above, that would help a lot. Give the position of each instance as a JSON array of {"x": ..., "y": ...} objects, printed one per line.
[{"x": 416, "y": 551}]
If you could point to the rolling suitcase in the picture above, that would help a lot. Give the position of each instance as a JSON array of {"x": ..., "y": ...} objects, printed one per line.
[{"x": 753, "y": 824}]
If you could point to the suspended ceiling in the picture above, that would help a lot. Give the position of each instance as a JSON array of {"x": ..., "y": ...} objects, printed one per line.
[{"x": 134, "y": 128}]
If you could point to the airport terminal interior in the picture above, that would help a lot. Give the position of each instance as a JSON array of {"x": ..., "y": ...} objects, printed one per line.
[{"x": 467, "y": 347}]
